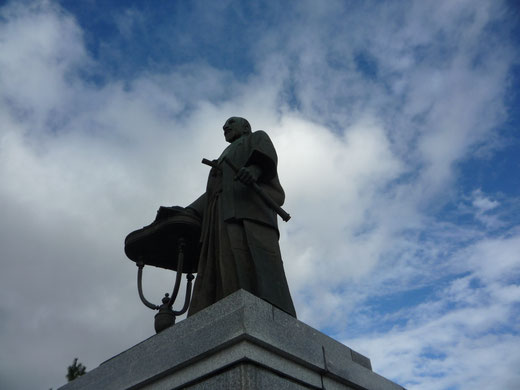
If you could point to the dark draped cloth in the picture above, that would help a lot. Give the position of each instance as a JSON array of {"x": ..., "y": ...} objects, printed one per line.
[{"x": 239, "y": 240}]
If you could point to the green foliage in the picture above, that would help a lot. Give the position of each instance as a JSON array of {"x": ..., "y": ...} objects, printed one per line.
[{"x": 75, "y": 370}]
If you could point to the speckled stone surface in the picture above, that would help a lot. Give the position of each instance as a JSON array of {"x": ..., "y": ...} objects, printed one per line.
[
  {"x": 247, "y": 376},
  {"x": 240, "y": 340}
]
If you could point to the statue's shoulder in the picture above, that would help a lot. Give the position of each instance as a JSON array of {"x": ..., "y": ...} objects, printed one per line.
[
  {"x": 259, "y": 135},
  {"x": 260, "y": 141}
]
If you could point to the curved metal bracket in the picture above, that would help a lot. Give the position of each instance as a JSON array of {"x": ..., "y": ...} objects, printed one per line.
[
  {"x": 166, "y": 308},
  {"x": 140, "y": 265},
  {"x": 187, "y": 298},
  {"x": 181, "y": 244}
]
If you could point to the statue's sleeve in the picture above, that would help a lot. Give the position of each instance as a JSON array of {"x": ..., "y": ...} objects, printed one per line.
[
  {"x": 263, "y": 154},
  {"x": 198, "y": 205}
]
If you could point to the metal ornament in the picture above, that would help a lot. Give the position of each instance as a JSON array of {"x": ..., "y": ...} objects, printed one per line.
[{"x": 170, "y": 242}]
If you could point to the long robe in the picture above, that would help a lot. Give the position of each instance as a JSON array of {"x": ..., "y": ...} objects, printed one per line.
[{"x": 239, "y": 240}]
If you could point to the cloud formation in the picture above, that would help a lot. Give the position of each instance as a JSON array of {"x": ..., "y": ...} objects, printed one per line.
[{"x": 372, "y": 108}]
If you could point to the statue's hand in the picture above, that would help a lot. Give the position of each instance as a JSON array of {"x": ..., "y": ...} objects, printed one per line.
[{"x": 248, "y": 175}]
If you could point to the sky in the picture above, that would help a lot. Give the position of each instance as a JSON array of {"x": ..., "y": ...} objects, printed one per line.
[{"x": 396, "y": 126}]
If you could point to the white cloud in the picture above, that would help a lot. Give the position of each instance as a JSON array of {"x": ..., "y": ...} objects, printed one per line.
[
  {"x": 482, "y": 203},
  {"x": 365, "y": 163},
  {"x": 467, "y": 329},
  {"x": 37, "y": 61}
]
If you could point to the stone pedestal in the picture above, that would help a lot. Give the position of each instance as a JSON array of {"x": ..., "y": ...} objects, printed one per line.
[{"x": 241, "y": 342}]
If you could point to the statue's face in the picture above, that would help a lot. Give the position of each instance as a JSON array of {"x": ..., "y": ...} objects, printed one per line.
[{"x": 233, "y": 129}]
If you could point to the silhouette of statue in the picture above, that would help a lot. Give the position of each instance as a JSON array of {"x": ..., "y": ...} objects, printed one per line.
[{"x": 239, "y": 237}]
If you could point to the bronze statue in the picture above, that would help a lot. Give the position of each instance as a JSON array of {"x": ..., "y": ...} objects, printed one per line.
[{"x": 239, "y": 237}]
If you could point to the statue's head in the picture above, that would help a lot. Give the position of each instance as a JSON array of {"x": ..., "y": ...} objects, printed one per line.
[{"x": 235, "y": 127}]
